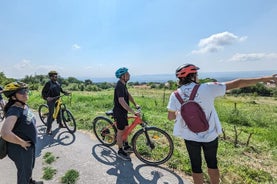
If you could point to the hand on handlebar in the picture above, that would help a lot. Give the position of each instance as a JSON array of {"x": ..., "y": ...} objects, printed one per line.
[
  {"x": 137, "y": 113},
  {"x": 138, "y": 107}
]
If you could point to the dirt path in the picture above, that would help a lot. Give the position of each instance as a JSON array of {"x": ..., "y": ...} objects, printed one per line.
[{"x": 95, "y": 163}]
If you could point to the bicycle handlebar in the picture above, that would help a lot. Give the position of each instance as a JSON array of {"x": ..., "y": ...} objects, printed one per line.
[{"x": 56, "y": 97}]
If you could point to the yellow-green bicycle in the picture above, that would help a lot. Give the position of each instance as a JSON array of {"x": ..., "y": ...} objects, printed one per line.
[{"x": 61, "y": 110}]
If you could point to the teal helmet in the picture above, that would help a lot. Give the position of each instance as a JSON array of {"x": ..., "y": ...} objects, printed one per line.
[{"x": 120, "y": 72}]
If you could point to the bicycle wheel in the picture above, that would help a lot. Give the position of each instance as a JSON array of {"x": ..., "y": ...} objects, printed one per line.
[
  {"x": 152, "y": 146},
  {"x": 68, "y": 120},
  {"x": 104, "y": 130},
  {"x": 43, "y": 112}
]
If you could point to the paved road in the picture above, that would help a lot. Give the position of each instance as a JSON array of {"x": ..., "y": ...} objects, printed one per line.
[{"x": 95, "y": 163}]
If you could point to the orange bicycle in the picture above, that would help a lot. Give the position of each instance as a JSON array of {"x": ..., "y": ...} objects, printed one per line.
[{"x": 151, "y": 145}]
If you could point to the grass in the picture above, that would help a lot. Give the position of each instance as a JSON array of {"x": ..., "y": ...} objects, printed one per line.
[
  {"x": 48, "y": 172},
  {"x": 71, "y": 176},
  {"x": 252, "y": 163},
  {"x": 48, "y": 157}
]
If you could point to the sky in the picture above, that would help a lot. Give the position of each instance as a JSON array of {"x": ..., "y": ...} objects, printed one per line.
[{"x": 93, "y": 38}]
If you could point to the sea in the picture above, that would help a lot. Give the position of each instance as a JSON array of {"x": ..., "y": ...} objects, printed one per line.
[{"x": 219, "y": 76}]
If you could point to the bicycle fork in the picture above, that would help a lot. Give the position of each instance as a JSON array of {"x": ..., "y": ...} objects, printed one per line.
[{"x": 148, "y": 139}]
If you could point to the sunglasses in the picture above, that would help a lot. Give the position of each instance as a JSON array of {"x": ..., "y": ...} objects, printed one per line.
[{"x": 23, "y": 91}]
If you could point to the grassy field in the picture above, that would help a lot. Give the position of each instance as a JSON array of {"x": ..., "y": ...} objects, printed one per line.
[{"x": 247, "y": 149}]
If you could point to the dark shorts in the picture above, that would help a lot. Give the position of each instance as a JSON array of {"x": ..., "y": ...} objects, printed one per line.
[
  {"x": 121, "y": 120},
  {"x": 210, "y": 154}
]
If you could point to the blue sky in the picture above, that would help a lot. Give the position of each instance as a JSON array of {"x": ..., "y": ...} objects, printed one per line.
[{"x": 92, "y": 38}]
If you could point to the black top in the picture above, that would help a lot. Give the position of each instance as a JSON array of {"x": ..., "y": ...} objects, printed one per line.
[
  {"x": 120, "y": 91},
  {"x": 51, "y": 89},
  {"x": 25, "y": 126}
]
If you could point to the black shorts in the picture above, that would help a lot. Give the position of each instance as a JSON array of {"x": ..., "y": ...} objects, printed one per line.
[
  {"x": 210, "y": 154},
  {"x": 121, "y": 120}
]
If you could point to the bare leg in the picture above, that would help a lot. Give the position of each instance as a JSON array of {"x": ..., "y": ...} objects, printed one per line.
[{"x": 119, "y": 138}]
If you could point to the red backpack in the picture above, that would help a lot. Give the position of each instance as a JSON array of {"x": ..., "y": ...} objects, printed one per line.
[{"x": 192, "y": 113}]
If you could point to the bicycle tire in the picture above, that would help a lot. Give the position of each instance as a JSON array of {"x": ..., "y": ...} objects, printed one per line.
[
  {"x": 104, "y": 130},
  {"x": 69, "y": 120},
  {"x": 43, "y": 112},
  {"x": 162, "y": 146}
]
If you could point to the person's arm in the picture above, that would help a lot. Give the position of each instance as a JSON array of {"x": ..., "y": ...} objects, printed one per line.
[
  {"x": 45, "y": 90},
  {"x": 9, "y": 136},
  {"x": 64, "y": 92},
  {"x": 133, "y": 101},
  {"x": 171, "y": 115},
  {"x": 240, "y": 83},
  {"x": 123, "y": 103}
]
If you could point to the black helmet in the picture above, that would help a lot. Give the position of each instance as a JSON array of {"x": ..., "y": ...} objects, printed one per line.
[{"x": 52, "y": 72}]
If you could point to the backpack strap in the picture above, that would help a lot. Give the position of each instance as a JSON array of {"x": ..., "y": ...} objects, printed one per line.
[
  {"x": 193, "y": 93},
  {"x": 178, "y": 96}
]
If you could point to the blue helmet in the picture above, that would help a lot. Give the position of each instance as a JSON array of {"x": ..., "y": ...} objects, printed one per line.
[{"x": 120, "y": 72}]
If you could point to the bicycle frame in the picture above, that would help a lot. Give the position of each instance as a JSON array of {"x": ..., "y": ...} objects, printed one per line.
[
  {"x": 137, "y": 120},
  {"x": 58, "y": 106}
]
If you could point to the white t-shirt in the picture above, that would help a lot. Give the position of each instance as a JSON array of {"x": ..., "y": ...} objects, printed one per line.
[{"x": 205, "y": 96}]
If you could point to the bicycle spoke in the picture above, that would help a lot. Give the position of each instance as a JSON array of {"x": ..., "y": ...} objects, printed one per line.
[
  {"x": 43, "y": 112},
  {"x": 155, "y": 150},
  {"x": 69, "y": 121},
  {"x": 104, "y": 131}
]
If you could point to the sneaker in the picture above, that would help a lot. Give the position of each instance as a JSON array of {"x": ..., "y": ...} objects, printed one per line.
[
  {"x": 123, "y": 155},
  {"x": 128, "y": 149}
]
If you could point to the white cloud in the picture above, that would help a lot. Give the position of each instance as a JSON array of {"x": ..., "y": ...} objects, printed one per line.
[
  {"x": 76, "y": 46},
  {"x": 24, "y": 64},
  {"x": 217, "y": 42},
  {"x": 253, "y": 56},
  {"x": 27, "y": 67}
]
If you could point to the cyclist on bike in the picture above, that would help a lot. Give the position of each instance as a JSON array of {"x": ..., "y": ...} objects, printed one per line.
[
  {"x": 121, "y": 109},
  {"x": 208, "y": 140},
  {"x": 50, "y": 92}
]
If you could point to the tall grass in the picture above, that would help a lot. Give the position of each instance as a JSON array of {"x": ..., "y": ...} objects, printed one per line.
[{"x": 252, "y": 163}]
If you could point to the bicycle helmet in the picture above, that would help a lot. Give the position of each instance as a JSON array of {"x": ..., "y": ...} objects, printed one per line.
[
  {"x": 120, "y": 72},
  {"x": 52, "y": 72},
  {"x": 186, "y": 69},
  {"x": 11, "y": 88}
]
